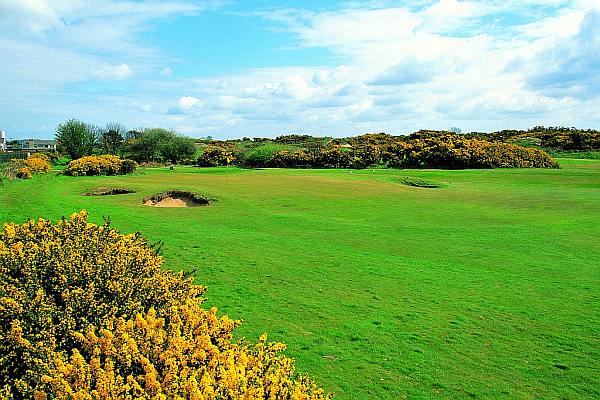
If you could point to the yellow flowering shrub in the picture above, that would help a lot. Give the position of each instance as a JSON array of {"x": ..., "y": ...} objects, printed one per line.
[
  {"x": 100, "y": 165},
  {"x": 57, "y": 279},
  {"x": 37, "y": 164},
  {"x": 457, "y": 152},
  {"x": 88, "y": 313},
  {"x": 25, "y": 169},
  {"x": 187, "y": 354},
  {"x": 24, "y": 173}
]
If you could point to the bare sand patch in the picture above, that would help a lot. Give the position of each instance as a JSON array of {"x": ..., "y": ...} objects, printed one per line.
[{"x": 176, "y": 199}]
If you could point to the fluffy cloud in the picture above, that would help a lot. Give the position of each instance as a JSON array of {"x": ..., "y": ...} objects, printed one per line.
[
  {"x": 571, "y": 67},
  {"x": 478, "y": 65}
]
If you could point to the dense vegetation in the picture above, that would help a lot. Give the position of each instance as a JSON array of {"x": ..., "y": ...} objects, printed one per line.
[
  {"x": 88, "y": 313},
  {"x": 100, "y": 165},
  {"x": 420, "y": 150},
  {"x": 25, "y": 168},
  {"x": 551, "y": 138},
  {"x": 78, "y": 139}
]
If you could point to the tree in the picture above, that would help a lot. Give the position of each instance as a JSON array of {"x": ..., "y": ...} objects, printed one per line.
[
  {"x": 158, "y": 144},
  {"x": 111, "y": 138},
  {"x": 76, "y": 138},
  {"x": 178, "y": 148}
]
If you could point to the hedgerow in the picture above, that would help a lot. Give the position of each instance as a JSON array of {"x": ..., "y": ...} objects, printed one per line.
[
  {"x": 88, "y": 313},
  {"x": 100, "y": 165}
]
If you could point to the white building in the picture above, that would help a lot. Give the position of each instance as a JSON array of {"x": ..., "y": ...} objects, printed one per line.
[{"x": 2, "y": 140}]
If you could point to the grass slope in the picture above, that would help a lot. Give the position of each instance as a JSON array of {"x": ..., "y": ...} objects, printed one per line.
[{"x": 487, "y": 287}]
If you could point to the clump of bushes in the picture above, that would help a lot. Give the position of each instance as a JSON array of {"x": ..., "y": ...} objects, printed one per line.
[
  {"x": 100, "y": 165},
  {"x": 214, "y": 156},
  {"x": 86, "y": 312},
  {"x": 25, "y": 169},
  {"x": 457, "y": 152},
  {"x": 292, "y": 159},
  {"x": 260, "y": 156},
  {"x": 423, "y": 149}
]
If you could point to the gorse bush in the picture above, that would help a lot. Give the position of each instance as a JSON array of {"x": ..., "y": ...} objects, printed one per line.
[
  {"x": 37, "y": 164},
  {"x": 423, "y": 149},
  {"x": 214, "y": 156},
  {"x": 25, "y": 169},
  {"x": 88, "y": 313},
  {"x": 58, "y": 279},
  {"x": 188, "y": 353},
  {"x": 100, "y": 165},
  {"x": 456, "y": 152}
]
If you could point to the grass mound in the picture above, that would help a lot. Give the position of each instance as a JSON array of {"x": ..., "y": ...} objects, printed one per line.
[
  {"x": 176, "y": 198},
  {"x": 419, "y": 182},
  {"x": 108, "y": 191}
]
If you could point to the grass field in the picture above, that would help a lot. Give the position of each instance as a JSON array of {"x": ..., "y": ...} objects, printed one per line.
[{"x": 486, "y": 287}]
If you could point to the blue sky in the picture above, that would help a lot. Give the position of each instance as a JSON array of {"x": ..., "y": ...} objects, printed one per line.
[{"x": 265, "y": 68}]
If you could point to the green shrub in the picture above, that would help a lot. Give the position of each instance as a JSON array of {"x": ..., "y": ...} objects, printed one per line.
[{"x": 261, "y": 156}]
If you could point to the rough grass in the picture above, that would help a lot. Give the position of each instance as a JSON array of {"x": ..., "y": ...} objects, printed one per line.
[
  {"x": 419, "y": 182},
  {"x": 486, "y": 289},
  {"x": 108, "y": 191}
]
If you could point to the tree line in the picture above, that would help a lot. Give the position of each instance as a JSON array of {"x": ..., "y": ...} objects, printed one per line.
[{"x": 78, "y": 139}]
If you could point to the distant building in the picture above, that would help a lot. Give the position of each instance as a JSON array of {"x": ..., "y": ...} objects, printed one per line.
[
  {"x": 2, "y": 140},
  {"x": 32, "y": 145}
]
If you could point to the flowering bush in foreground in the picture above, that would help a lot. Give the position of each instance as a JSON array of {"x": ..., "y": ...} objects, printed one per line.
[
  {"x": 88, "y": 313},
  {"x": 100, "y": 165}
]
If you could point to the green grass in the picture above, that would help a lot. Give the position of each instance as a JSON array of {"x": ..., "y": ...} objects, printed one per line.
[
  {"x": 488, "y": 287},
  {"x": 590, "y": 155}
]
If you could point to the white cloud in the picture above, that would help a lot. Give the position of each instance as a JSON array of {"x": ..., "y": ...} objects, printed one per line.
[
  {"x": 113, "y": 72},
  {"x": 479, "y": 65},
  {"x": 188, "y": 101}
]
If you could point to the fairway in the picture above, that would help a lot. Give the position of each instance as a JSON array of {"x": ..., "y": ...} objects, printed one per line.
[{"x": 485, "y": 287}]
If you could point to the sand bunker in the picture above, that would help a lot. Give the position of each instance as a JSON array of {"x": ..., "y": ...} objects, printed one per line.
[
  {"x": 108, "y": 191},
  {"x": 176, "y": 198}
]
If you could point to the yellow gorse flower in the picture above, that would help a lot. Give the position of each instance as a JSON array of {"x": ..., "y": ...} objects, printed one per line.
[
  {"x": 88, "y": 313},
  {"x": 100, "y": 165}
]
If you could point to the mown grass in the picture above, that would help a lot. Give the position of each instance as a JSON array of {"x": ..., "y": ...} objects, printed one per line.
[{"x": 485, "y": 288}]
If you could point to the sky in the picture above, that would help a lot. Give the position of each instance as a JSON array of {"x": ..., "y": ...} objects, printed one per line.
[{"x": 262, "y": 68}]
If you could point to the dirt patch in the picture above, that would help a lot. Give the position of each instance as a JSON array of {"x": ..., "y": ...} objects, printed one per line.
[
  {"x": 108, "y": 191},
  {"x": 176, "y": 198}
]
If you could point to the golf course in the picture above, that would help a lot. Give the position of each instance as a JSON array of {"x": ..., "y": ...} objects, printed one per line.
[{"x": 483, "y": 285}]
